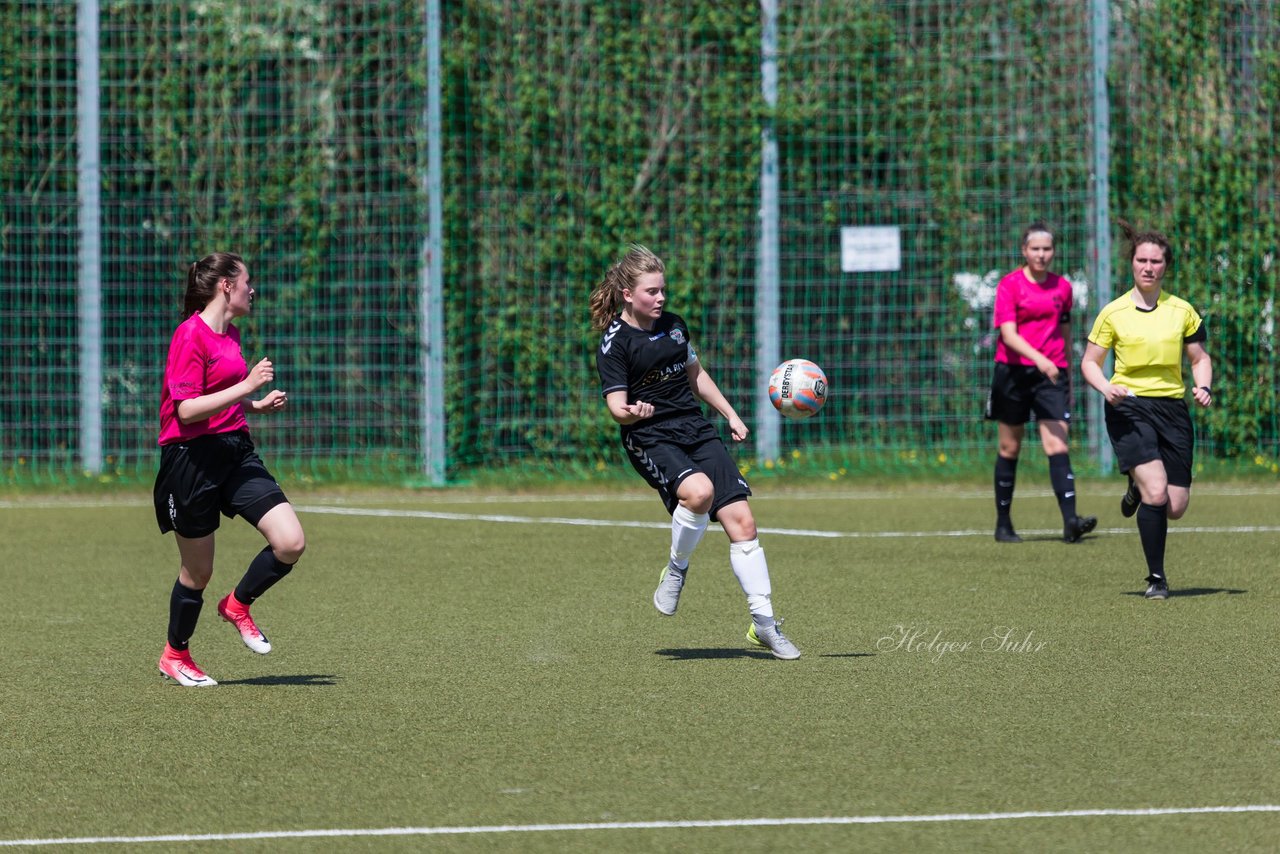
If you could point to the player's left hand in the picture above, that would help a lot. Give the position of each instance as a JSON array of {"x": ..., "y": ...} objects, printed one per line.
[
  {"x": 737, "y": 429},
  {"x": 275, "y": 401}
]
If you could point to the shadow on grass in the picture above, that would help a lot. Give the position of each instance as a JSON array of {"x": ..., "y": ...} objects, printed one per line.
[
  {"x": 703, "y": 654},
  {"x": 1179, "y": 592},
  {"x": 296, "y": 679}
]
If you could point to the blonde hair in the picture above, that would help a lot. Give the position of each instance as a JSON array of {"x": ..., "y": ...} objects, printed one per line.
[{"x": 606, "y": 298}]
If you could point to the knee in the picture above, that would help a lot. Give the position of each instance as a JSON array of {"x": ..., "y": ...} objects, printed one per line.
[
  {"x": 289, "y": 548},
  {"x": 1009, "y": 448},
  {"x": 1176, "y": 510},
  {"x": 698, "y": 497},
  {"x": 1156, "y": 496},
  {"x": 738, "y": 522}
]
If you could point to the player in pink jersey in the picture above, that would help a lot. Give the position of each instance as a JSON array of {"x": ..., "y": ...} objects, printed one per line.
[
  {"x": 1033, "y": 314},
  {"x": 208, "y": 465}
]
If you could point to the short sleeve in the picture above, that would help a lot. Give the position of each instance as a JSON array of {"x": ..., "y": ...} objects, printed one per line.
[
  {"x": 1068, "y": 300},
  {"x": 611, "y": 362},
  {"x": 185, "y": 372},
  {"x": 1193, "y": 331},
  {"x": 1006, "y": 308},
  {"x": 1102, "y": 333}
]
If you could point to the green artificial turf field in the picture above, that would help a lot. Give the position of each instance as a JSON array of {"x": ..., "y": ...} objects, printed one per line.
[{"x": 441, "y": 662}]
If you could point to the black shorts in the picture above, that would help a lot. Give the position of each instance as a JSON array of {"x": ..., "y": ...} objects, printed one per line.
[
  {"x": 665, "y": 457},
  {"x": 1143, "y": 429},
  {"x": 1019, "y": 390},
  {"x": 202, "y": 477}
]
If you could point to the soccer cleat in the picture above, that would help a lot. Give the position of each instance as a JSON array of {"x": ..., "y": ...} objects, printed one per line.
[
  {"x": 1074, "y": 531},
  {"x": 237, "y": 615},
  {"x": 1132, "y": 498},
  {"x": 178, "y": 666},
  {"x": 1005, "y": 534},
  {"x": 772, "y": 639},
  {"x": 667, "y": 597},
  {"x": 1157, "y": 589}
]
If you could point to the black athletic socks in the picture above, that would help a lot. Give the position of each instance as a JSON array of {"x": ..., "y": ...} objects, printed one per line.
[
  {"x": 1153, "y": 529},
  {"x": 184, "y": 613},
  {"x": 1006, "y": 474},
  {"x": 264, "y": 570},
  {"x": 1064, "y": 485}
]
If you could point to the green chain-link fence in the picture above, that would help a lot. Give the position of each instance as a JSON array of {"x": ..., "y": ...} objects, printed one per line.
[{"x": 293, "y": 133}]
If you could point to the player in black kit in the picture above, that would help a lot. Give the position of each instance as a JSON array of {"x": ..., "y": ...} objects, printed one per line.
[{"x": 654, "y": 386}]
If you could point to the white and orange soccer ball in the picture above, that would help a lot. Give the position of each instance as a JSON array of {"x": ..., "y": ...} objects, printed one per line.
[{"x": 798, "y": 388}]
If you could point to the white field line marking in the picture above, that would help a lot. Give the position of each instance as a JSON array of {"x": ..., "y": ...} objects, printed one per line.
[
  {"x": 784, "y": 532},
  {"x": 639, "y": 825},
  {"x": 47, "y": 503},
  {"x": 657, "y": 526}
]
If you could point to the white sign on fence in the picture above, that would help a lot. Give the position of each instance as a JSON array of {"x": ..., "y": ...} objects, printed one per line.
[{"x": 870, "y": 249}]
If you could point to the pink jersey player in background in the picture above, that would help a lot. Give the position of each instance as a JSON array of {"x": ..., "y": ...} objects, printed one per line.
[{"x": 1032, "y": 375}]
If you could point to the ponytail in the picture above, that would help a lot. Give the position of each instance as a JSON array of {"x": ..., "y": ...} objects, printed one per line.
[
  {"x": 203, "y": 277},
  {"x": 606, "y": 299}
]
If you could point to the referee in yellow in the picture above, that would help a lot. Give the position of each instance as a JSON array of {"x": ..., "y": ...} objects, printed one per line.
[{"x": 1146, "y": 410}]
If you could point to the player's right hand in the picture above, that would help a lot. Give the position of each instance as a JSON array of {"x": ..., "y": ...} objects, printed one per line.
[
  {"x": 262, "y": 373},
  {"x": 640, "y": 410}
]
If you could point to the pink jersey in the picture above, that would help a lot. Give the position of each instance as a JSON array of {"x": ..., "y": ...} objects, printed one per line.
[
  {"x": 1037, "y": 309},
  {"x": 201, "y": 362}
]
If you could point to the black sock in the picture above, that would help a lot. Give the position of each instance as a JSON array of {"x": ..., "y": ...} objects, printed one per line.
[
  {"x": 1064, "y": 485},
  {"x": 1153, "y": 528},
  {"x": 1006, "y": 474},
  {"x": 184, "y": 613},
  {"x": 264, "y": 571}
]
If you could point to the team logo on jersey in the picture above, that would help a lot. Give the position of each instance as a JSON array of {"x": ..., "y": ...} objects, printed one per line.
[
  {"x": 677, "y": 335},
  {"x": 608, "y": 336}
]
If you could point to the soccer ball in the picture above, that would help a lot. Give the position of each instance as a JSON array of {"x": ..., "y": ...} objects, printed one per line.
[{"x": 798, "y": 388}]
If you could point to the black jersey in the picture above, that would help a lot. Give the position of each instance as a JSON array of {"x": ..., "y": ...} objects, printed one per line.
[{"x": 650, "y": 365}]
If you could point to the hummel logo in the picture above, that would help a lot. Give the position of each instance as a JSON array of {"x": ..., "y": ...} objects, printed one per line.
[{"x": 608, "y": 336}]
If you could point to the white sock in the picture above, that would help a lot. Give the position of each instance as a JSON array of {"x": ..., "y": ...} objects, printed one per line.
[
  {"x": 687, "y": 529},
  {"x": 747, "y": 560}
]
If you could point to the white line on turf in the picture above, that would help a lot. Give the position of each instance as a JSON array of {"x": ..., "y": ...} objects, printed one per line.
[
  {"x": 458, "y": 498},
  {"x": 640, "y": 825},
  {"x": 624, "y": 523},
  {"x": 784, "y": 532}
]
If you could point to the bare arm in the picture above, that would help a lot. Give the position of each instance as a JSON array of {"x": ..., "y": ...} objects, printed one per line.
[
  {"x": 706, "y": 390},
  {"x": 1091, "y": 370},
  {"x": 1015, "y": 342},
  {"x": 1201, "y": 371},
  {"x": 206, "y": 405},
  {"x": 624, "y": 412}
]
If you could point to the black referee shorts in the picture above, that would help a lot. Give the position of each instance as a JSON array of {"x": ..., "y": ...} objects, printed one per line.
[
  {"x": 666, "y": 460},
  {"x": 208, "y": 475},
  {"x": 1143, "y": 429},
  {"x": 1019, "y": 390}
]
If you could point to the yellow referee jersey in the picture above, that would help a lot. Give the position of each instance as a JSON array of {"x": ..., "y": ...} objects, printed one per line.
[{"x": 1148, "y": 343}]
